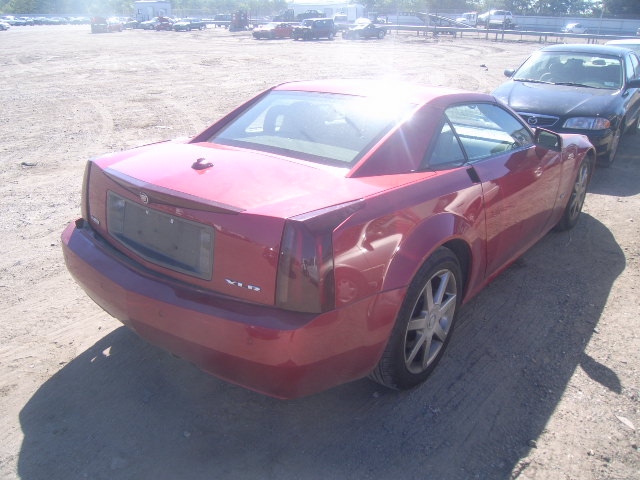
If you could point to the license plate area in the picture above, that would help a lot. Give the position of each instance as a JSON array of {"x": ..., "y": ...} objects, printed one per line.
[{"x": 166, "y": 240}]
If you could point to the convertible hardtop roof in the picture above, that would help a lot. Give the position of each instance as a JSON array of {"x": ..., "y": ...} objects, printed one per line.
[
  {"x": 402, "y": 91},
  {"x": 587, "y": 48}
]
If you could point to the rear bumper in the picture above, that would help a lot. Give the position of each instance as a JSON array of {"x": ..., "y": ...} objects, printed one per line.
[{"x": 280, "y": 353}]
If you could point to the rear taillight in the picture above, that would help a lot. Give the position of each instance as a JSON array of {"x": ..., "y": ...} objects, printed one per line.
[
  {"x": 84, "y": 207},
  {"x": 305, "y": 268}
]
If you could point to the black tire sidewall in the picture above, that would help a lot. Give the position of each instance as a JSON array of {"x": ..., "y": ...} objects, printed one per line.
[
  {"x": 567, "y": 222},
  {"x": 399, "y": 376}
]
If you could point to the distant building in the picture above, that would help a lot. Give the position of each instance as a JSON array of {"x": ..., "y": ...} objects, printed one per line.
[{"x": 147, "y": 9}]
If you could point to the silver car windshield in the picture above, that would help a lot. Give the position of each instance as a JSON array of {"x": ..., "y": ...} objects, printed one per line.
[
  {"x": 325, "y": 128},
  {"x": 567, "y": 68}
]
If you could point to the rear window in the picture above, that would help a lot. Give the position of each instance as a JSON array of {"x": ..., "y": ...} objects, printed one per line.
[{"x": 325, "y": 128}]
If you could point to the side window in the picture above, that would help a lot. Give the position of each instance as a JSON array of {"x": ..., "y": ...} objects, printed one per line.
[
  {"x": 446, "y": 149},
  {"x": 630, "y": 67},
  {"x": 636, "y": 65},
  {"x": 486, "y": 129}
]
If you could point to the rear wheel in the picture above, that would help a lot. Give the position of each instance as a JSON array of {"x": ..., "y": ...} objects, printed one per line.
[
  {"x": 424, "y": 324},
  {"x": 578, "y": 194}
]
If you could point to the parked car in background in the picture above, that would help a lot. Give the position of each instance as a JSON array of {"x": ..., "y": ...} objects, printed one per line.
[
  {"x": 13, "y": 21},
  {"x": 314, "y": 29},
  {"x": 630, "y": 43},
  {"x": 154, "y": 22},
  {"x": 188, "y": 24},
  {"x": 574, "y": 28},
  {"x": 4, "y": 26},
  {"x": 308, "y": 14},
  {"x": 273, "y": 30},
  {"x": 164, "y": 23},
  {"x": 468, "y": 18},
  {"x": 222, "y": 20},
  {"x": 340, "y": 22},
  {"x": 323, "y": 231},
  {"x": 149, "y": 24},
  {"x": 588, "y": 89},
  {"x": 130, "y": 23},
  {"x": 497, "y": 19},
  {"x": 104, "y": 25},
  {"x": 72, "y": 21},
  {"x": 364, "y": 28}
]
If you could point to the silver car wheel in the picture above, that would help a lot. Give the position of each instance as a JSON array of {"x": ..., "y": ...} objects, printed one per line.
[
  {"x": 430, "y": 322},
  {"x": 579, "y": 191}
]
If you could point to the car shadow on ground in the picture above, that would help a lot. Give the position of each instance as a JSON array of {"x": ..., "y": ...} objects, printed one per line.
[
  {"x": 622, "y": 179},
  {"x": 125, "y": 409}
]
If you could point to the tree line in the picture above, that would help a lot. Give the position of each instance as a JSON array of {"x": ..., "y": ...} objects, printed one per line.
[{"x": 629, "y": 8}]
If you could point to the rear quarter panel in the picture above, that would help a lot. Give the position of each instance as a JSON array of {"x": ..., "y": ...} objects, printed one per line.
[{"x": 382, "y": 246}]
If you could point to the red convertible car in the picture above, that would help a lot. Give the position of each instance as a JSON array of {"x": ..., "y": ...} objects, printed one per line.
[{"x": 323, "y": 231}]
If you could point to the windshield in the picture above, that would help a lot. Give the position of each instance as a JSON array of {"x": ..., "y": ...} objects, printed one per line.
[
  {"x": 567, "y": 68},
  {"x": 331, "y": 129}
]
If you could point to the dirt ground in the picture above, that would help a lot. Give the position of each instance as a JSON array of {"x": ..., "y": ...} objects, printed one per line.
[{"x": 541, "y": 379}]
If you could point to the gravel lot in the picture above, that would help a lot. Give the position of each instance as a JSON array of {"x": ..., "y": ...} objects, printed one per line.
[{"x": 541, "y": 380}]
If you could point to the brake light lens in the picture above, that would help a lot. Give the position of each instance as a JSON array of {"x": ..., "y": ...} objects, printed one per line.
[
  {"x": 84, "y": 206},
  {"x": 305, "y": 280}
]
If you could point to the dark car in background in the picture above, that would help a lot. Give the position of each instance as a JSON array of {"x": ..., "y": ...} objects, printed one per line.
[
  {"x": 364, "y": 28},
  {"x": 104, "y": 25},
  {"x": 162, "y": 22},
  {"x": 589, "y": 89},
  {"x": 308, "y": 14},
  {"x": 273, "y": 30},
  {"x": 188, "y": 24},
  {"x": 314, "y": 29},
  {"x": 222, "y": 20}
]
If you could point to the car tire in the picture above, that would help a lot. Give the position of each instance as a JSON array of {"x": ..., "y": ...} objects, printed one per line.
[
  {"x": 422, "y": 331},
  {"x": 607, "y": 160},
  {"x": 578, "y": 193},
  {"x": 380, "y": 35},
  {"x": 331, "y": 36}
]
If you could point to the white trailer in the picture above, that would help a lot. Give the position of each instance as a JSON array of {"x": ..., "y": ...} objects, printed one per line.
[{"x": 147, "y": 9}]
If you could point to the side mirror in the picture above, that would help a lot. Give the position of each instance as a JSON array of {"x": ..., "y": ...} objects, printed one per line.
[
  {"x": 633, "y": 84},
  {"x": 509, "y": 72},
  {"x": 548, "y": 139}
]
